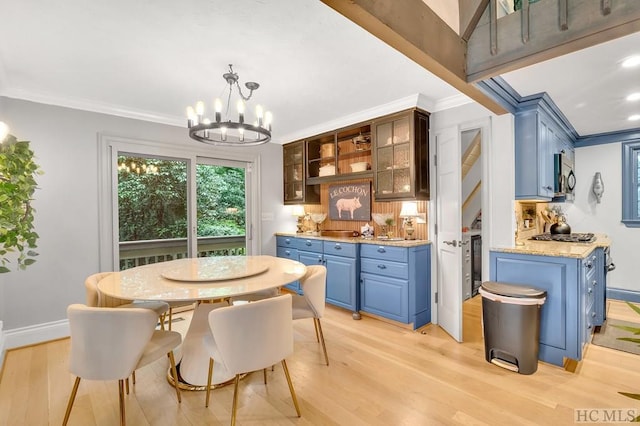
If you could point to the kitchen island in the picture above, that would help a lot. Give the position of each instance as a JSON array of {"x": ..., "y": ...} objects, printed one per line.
[
  {"x": 573, "y": 275},
  {"x": 389, "y": 279}
]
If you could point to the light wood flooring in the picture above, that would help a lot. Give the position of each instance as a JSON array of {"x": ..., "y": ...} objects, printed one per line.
[{"x": 380, "y": 374}]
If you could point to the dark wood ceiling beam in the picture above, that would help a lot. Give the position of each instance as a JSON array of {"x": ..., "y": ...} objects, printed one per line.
[
  {"x": 415, "y": 30},
  {"x": 588, "y": 23}
]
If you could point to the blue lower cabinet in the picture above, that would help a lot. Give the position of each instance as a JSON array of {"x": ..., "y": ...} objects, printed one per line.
[
  {"x": 341, "y": 260},
  {"x": 342, "y": 281},
  {"x": 568, "y": 314},
  {"x": 288, "y": 252},
  {"x": 395, "y": 282},
  {"x": 388, "y": 281},
  {"x": 384, "y": 296}
]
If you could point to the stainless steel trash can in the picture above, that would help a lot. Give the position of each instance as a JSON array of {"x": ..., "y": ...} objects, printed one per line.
[{"x": 511, "y": 324}]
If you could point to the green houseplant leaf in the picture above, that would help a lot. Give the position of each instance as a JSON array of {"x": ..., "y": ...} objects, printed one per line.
[{"x": 18, "y": 172}]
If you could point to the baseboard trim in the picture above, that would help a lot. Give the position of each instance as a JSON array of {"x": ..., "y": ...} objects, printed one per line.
[
  {"x": 624, "y": 295},
  {"x": 32, "y": 335}
]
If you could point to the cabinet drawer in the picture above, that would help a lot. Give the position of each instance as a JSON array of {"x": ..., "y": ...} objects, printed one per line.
[
  {"x": 308, "y": 244},
  {"x": 287, "y": 253},
  {"x": 383, "y": 267},
  {"x": 285, "y": 241},
  {"x": 396, "y": 254},
  {"x": 340, "y": 249}
]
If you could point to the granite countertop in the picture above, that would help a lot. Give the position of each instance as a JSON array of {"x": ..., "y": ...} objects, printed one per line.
[
  {"x": 358, "y": 240},
  {"x": 556, "y": 248}
]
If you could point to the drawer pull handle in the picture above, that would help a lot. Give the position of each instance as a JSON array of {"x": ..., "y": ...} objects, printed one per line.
[
  {"x": 287, "y": 241},
  {"x": 381, "y": 250},
  {"x": 589, "y": 265},
  {"x": 307, "y": 243},
  {"x": 382, "y": 267},
  {"x": 337, "y": 247},
  {"x": 593, "y": 314}
]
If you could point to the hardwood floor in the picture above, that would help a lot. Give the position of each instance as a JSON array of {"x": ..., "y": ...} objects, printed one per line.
[{"x": 380, "y": 374}]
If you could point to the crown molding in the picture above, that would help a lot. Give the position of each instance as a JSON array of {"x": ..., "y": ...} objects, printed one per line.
[
  {"x": 91, "y": 106},
  {"x": 358, "y": 117},
  {"x": 450, "y": 102}
]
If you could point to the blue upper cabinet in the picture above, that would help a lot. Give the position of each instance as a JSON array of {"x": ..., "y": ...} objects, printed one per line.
[
  {"x": 540, "y": 133},
  {"x": 534, "y": 159}
]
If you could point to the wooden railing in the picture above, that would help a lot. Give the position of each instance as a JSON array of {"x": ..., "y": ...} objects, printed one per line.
[{"x": 137, "y": 253}]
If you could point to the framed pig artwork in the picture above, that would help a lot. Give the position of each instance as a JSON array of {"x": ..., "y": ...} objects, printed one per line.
[{"x": 350, "y": 202}]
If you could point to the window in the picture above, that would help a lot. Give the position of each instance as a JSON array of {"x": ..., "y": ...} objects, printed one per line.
[{"x": 631, "y": 183}]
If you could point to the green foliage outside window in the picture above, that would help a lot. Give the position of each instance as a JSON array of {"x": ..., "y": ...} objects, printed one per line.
[{"x": 152, "y": 199}]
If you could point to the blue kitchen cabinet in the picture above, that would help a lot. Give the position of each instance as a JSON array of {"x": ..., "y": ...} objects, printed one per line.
[
  {"x": 539, "y": 134},
  {"x": 341, "y": 260},
  {"x": 568, "y": 315},
  {"x": 395, "y": 282}
]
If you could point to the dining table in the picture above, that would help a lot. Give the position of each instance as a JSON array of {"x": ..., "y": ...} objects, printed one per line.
[{"x": 211, "y": 282}]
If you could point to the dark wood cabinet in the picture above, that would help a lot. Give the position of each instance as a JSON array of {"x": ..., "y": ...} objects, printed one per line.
[
  {"x": 393, "y": 151},
  {"x": 296, "y": 188},
  {"x": 341, "y": 154},
  {"x": 401, "y": 157}
]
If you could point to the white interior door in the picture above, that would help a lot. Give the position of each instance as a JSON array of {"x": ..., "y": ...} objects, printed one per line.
[{"x": 449, "y": 231}]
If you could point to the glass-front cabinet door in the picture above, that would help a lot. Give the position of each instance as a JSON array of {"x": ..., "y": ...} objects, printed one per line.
[
  {"x": 401, "y": 157},
  {"x": 293, "y": 160},
  {"x": 296, "y": 187},
  {"x": 393, "y": 151}
]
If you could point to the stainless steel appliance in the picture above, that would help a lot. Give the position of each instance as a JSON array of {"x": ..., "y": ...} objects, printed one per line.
[
  {"x": 564, "y": 177},
  {"x": 566, "y": 238}
]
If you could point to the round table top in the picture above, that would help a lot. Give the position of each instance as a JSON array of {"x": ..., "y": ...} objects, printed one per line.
[{"x": 203, "y": 278}]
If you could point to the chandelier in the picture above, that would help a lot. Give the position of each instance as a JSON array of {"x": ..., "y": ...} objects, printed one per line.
[{"x": 227, "y": 132}]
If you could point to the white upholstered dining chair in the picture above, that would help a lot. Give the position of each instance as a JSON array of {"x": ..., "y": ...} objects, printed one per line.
[
  {"x": 110, "y": 343},
  {"x": 250, "y": 337},
  {"x": 311, "y": 303}
]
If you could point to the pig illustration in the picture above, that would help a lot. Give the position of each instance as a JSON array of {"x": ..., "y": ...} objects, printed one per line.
[{"x": 348, "y": 204}]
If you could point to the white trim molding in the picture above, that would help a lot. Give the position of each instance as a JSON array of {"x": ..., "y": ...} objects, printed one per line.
[{"x": 32, "y": 335}]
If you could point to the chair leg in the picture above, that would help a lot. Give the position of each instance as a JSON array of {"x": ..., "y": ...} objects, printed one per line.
[
  {"x": 315, "y": 325},
  {"x": 123, "y": 419},
  {"x": 293, "y": 392},
  {"x": 174, "y": 372},
  {"x": 206, "y": 402},
  {"x": 127, "y": 385},
  {"x": 264, "y": 373},
  {"x": 161, "y": 319},
  {"x": 133, "y": 377},
  {"x": 170, "y": 317},
  {"x": 235, "y": 400},
  {"x": 72, "y": 397},
  {"x": 324, "y": 347}
]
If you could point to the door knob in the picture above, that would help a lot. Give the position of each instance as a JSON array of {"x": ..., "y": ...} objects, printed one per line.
[{"x": 451, "y": 243}]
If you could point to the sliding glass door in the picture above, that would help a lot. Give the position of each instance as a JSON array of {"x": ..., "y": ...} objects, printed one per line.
[
  {"x": 221, "y": 206},
  {"x": 171, "y": 208}
]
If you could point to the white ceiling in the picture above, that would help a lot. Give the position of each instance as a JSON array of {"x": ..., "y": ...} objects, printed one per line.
[{"x": 317, "y": 70}]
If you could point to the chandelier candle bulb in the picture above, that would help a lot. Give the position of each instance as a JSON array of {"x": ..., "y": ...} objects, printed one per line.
[
  {"x": 191, "y": 116},
  {"x": 200, "y": 110},
  {"x": 268, "y": 117}
]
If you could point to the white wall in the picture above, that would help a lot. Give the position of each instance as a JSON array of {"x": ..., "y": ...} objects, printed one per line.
[
  {"x": 585, "y": 215},
  {"x": 65, "y": 142}
]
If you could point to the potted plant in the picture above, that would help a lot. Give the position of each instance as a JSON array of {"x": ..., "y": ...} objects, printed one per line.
[{"x": 17, "y": 185}]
